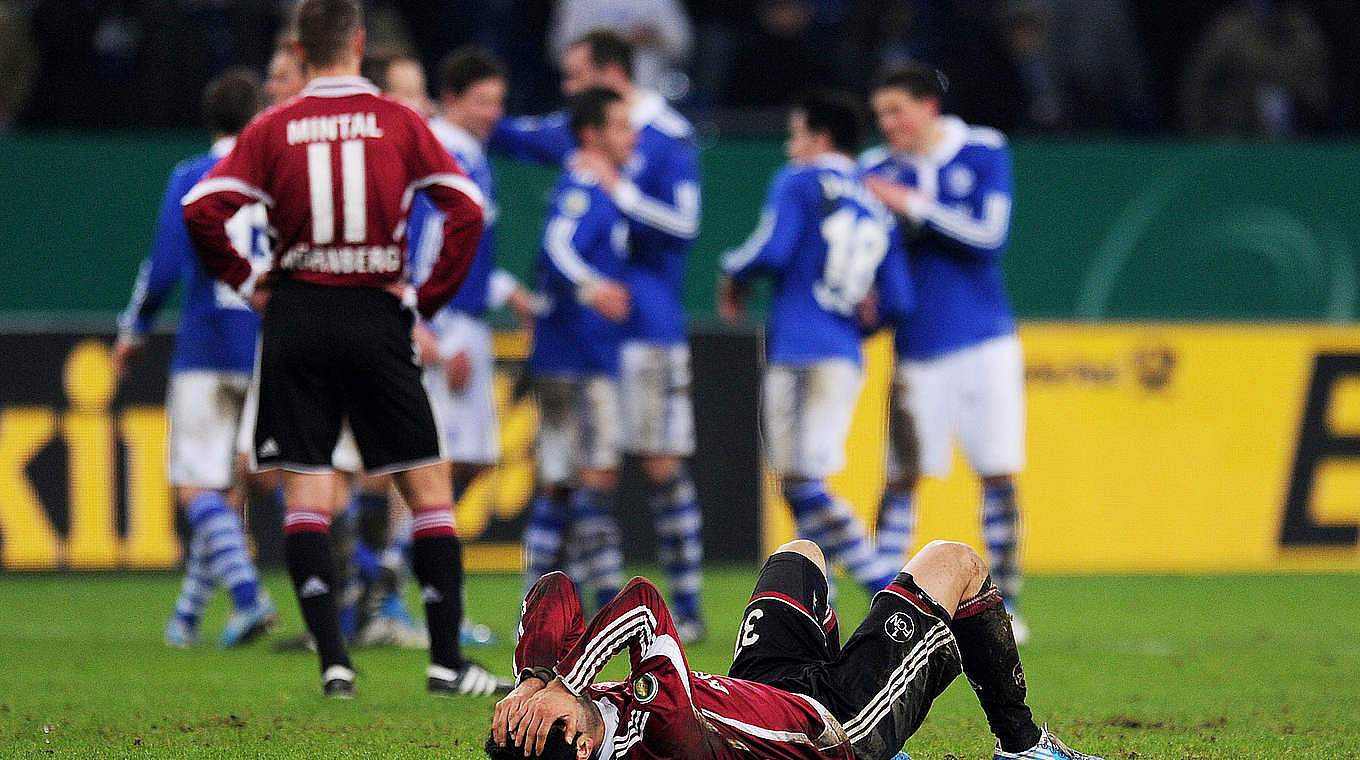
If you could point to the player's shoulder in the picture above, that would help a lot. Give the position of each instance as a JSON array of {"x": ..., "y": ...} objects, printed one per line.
[
  {"x": 975, "y": 136},
  {"x": 192, "y": 169},
  {"x": 577, "y": 194},
  {"x": 875, "y": 158},
  {"x": 653, "y": 111}
]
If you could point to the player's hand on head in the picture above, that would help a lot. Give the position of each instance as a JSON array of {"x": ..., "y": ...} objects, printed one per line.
[
  {"x": 511, "y": 708},
  {"x": 538, "y": 715}
]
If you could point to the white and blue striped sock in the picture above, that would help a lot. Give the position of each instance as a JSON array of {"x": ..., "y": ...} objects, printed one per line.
[
  {"x": 680, "y": 547},
  {"x": 896, "y": 526},
  {"x": 198, "y": 585},
  {"x": 542, "y": 538},
  {"x": 839, "y": 532},
  {"x": 594, "y": 525},
  {"x": 225, "y": 547},
  {"x": 1001, "y": 533}
]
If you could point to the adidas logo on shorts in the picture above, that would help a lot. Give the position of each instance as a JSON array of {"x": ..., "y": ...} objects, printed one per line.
[{"x": 269, "y": 448}]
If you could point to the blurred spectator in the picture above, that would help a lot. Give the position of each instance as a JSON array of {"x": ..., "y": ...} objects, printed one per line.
[
  {"x": 777, "y": 59},
  {"x": 717, "y": 24},
  {"x": 1261, "y": 69},
  {"x": 1001, "y": 64},
  {"x": 18, "y": 62},
  {"x": 659, "y": 30},
  {"x": 1102, "y": 65},
  {"x": 399, "y": 75}
]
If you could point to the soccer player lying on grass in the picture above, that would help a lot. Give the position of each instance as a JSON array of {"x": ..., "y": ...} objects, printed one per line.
[{"x": 793, "y": 692}]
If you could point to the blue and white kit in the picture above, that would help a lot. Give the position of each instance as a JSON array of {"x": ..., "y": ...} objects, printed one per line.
[{"x": 960, "y": 369}]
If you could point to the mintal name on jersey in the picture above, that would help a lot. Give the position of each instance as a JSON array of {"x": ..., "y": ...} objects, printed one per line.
[{"x": 345, "y": 126}]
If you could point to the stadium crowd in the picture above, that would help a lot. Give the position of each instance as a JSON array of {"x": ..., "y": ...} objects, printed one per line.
[{"x": 1269, "y": 68}]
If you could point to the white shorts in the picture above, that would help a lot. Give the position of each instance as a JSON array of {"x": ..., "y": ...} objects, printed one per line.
[
  {"x": 658, "y": 416},
  {"x": 344, "y": 458},
  {"x": 204, "y": 410},
  {"x": 807, "y": 413},
  {"x": 578, "y": 427},
  {"x": 466, "y": 418},
  {"x": 975, "y": 394}
]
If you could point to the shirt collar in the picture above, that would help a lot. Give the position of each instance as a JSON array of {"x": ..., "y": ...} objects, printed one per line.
[
  {"x": 837, "y": 161},
  {"x": 339, "y": 87},
  {"x": 458, "y": 140},
  {"x": 222, "y": 146},
  {"x": 609, "y": 715},
  {"x": 953, "y": 135}
]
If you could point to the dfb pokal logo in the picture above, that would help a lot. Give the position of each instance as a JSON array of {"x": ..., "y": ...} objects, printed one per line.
[
  {"x": 645, "y": 688},
  {"x": 900, "y": 627}
]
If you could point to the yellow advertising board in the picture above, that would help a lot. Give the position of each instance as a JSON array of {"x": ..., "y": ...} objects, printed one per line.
[{"x": 1157, "y": 448}]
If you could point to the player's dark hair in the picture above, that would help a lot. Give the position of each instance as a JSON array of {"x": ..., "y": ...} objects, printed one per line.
[
  {"x": 607, "y": 46},
  {"x": 378, "y": 62},
  {"x": 589, "y": 108},
  {"x": 836, "y": 115},
  {"x": 467, "y": 66},
  {"x": 230, "y": 101},
  {"x": 555, "y": 747},
  {"x": 917, "y": 79},
  {"x": 324, "y": 29}
]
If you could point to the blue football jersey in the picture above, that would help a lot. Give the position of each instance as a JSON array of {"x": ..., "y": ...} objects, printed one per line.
[
  {"x": 217, "y": 329},
  {"x": 955, "y": 247},
  {"x": 585, "y": 240},
  {"x": 425, "y": 235},
  {"x": 826, "y": 242},
  {"x": 660, "y": 200}
]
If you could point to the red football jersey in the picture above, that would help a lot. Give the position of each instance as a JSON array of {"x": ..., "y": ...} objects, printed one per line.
[
  {"x": 665, "y": 711},
  {"x": 337, "y": 169}
]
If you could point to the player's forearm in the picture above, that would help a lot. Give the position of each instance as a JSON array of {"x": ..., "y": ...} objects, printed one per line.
[
  {"x": 980, "y": 235},
  {"x": 451, "y": 268},
  {"x": 206, "y": 220},
  {"x": 551, "y": 623},
  {"x": 679, "y": 219}
]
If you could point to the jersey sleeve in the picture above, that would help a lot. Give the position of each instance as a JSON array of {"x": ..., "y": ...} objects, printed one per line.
[
  {"x": 454, "y": 195},
  {"x": 770, "y": 247},
  {"x": 982, "y": 228},
  {"x": 234, "y": 182},
  {"x": 636, "y": 619},
  {"x": 550, "y": 625},
  {"x": 171, "y": 249},
  {"x": 672, "y": 208},
  {"x": 573, "y": 228},
  {"x": 539, "y": 139},
  {"x": 893, "y": 282}
]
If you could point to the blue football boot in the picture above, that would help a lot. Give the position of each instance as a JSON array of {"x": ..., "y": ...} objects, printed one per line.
[
  {"x": 248, "y": 624},
  {"x": 1048, "y": 748}
]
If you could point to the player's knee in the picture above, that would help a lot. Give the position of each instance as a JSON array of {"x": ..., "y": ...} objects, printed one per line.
[
  {"x": 660, "y": 469},
  {"x": 599, "y": 480},
  {"x": 960, "y": 557},
  {"x": 903, "y": 483},
  {"x": 806, "y": 548}
]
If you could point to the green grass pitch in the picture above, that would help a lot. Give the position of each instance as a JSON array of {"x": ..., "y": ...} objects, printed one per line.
[{"x": 1187, "y": 667}]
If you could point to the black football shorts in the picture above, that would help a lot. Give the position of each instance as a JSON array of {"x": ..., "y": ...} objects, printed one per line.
[
  {"x": 880, "y": 684},
  {"x": 330, "y": 354}
]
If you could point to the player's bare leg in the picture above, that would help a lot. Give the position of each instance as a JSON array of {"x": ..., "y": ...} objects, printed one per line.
[
  {"x": 437, "y": 558},
  {"x": 309, "y": 499},
  {"x": 957, "y": 577},
  {"x": 897, "y": 514}
]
